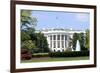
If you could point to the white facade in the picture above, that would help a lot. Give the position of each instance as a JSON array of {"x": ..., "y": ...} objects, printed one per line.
[{"x": 58, "y": 39}]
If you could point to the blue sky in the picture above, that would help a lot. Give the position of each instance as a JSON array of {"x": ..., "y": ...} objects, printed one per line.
[{"x": 57, "y": 19}]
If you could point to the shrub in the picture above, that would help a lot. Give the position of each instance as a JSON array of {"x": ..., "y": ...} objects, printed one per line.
[
  {"x": 69, "y": 54},
  {"x": 25, "y": 54},
  {"x": 40, "y": 55},
  {"x": 24, "y": 51}
]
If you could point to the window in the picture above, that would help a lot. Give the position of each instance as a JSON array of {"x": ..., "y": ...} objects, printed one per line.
[
  {"x": 58, "y": 37},
  {"x": 65, "y": 37},
  {"x": 65, "y": 43},
  {"x": 50, "y": 37},
  {"x": 62, "y": 37},
  {"x": 58, "y": 44},
  {"x": 50, "y": 44},
  {"x": 62, "y": 50},
  {"x": 54, "y": 37},
  {"x": 54, "y": 44},
  {"x": 62, "y": 42}
]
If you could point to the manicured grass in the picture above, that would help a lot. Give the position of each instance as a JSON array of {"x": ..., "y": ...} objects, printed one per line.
[{"x": 49, "y": 59}]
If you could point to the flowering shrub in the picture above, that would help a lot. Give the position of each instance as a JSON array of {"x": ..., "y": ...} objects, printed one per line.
[{"x": 25, "y": 54}]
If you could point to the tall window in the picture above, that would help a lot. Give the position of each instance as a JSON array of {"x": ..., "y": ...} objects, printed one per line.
[
  {"x": 50, "y": 41},
  {"x": 62, "y": 37},
  {"x": 50, "y": 44},
  {"x": 58, "y": 44},
  {"x": 50, "y": 37},
  {"x": 62, "y": 44},
  {"x": 54, "y": 37},
  {"x": 65, "y": 37},
  {"x": 54, "y": 44},
  {"x": 65, "y": 40},
  {"x": 58, "y": 37}
]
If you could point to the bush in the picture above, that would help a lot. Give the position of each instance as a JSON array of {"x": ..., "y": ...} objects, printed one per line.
[
  {"x": 25, "y": 54},
  {"x": 69, "y": 54},
  {"x": 40, "y": 55},
  {"x": 24, "y": 51}
]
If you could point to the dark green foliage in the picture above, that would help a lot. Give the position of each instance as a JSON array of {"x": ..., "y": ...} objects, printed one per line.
[
  {"x": 34, "y": 42},
  {"x": 69, "y": 54},
  {"x": 40, "y": 55},
  {"x": 27, "y": 20},
  {"x": 87, "y": 44},
  {"x": 40, "y": 42},
  {"x": 82, "y": 39},
  {"x": 62, "y": 54},
  {"x": 27, "y": 28},
  {"x": 24, "y": 36},
  {"x": 74, "y": 40}
]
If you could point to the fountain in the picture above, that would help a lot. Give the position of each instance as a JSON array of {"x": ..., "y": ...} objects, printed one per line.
[{"x": 77, "y": 46}]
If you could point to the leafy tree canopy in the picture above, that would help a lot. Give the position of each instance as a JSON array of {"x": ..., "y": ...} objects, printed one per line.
[{"x": 27, "y": 20}]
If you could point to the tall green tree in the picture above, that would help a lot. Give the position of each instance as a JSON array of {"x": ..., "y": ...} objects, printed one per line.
[
  {"x": 36, "y": 42},
  {"x": 81, "y": 37},
  {"x": 41, "y": 42},
  {"x": 74, "y": 40},
  {"x": 27, "y": 28},
  {"x": 24, "y": 36},
  {"x": 87, "y": 39},
  {"x": 28, "y": 44},
  {"x": 82, "y": 41},
  {"x": 27, "y": 20}
]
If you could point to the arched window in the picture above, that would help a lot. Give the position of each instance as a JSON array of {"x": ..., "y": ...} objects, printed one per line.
[{"x": 62, "y": 50}]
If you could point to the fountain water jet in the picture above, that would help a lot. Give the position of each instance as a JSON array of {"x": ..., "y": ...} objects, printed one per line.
[{"x": 77, "y": 46}]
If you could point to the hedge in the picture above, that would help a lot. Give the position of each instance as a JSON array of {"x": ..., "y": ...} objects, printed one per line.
[
  {"x": 69, "y": 54},
  {"x": 40, "y": 55},
  {"x": 62, "y": 54}
]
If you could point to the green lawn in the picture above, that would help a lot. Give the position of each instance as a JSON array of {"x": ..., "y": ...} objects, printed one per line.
[{"x": 49, "y": 59}]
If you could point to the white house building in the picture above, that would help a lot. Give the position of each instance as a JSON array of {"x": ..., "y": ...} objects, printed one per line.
[{"x": 58, "y": 39}]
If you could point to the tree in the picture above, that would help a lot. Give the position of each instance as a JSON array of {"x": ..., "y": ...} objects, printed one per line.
[
  {"x": 74, "y": 40},
  {"x": 24, "y": 36},
  {"x": 70, "y": 43},
  {"x": 27, "y": 20},
  {"x": 81, "y": 38},
  {"x": 28, "y": 44},
  {"x": 34, "y": 42},
  {"x": 45, "y": 44},
  {"x": 41, "y": 42},
  {"x": 27, "y": 29},
  {"x": 82, "y": 41},
  {"x": 87, "y": 39}
]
